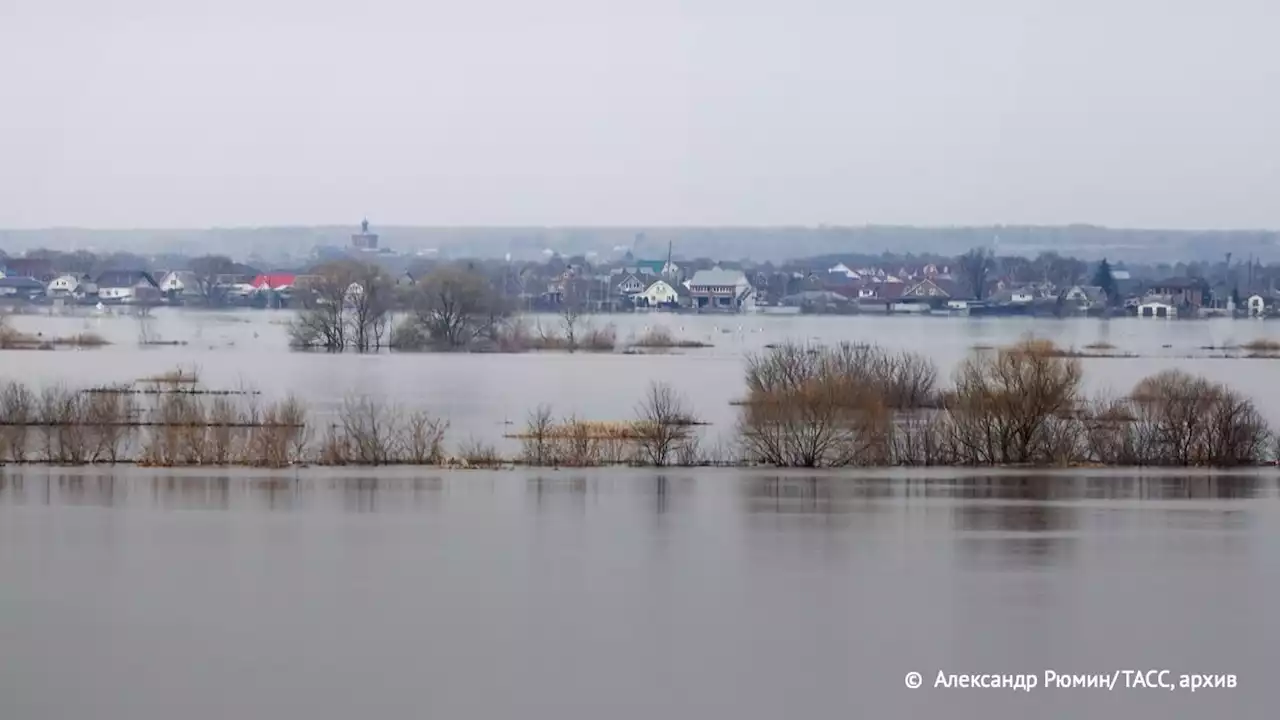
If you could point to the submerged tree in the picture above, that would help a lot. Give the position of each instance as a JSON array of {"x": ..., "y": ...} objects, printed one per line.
[
  {"x": 345, "y": 305},
  {"x": 452, "y": 308}
]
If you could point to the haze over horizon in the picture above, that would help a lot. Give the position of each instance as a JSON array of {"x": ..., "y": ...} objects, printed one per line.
[{"x": 138, "y": 114}]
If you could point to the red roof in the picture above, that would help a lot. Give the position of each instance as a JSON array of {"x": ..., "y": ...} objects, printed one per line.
[{"x": 274, "y": 282}]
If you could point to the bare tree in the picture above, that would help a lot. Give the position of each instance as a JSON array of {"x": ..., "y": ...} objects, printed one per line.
[
  {"x": 206, "y": 271},
  {"x": 665, "y": 424},
  {"x": 367, "y": 305},
  {"x": 454, "y": 306},
  {"x": 975, "y": 266},
  {"x": 1006, "y": 405},
  {"x": 346, "y": 305}
]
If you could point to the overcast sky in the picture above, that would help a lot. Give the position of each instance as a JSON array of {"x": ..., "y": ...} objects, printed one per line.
[{"x": 134, "y": 113}]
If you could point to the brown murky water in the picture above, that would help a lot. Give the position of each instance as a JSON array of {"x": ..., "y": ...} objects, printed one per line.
[{"x": 139, "y": 595}]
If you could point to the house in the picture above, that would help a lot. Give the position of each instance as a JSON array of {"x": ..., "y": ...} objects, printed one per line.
[
  {"x": 662, "y": 294},
  {"x": 1157, "y": 309},
  {"x": 274, "y": 282},
  {"x": 927, "y": 289},
  {"x": 720, "y": 289},
  {"x": 1188, "y": 292},
  {"x": 179, "y": 282},
  {"x": 628, "y": 284},
  {"x": 70, "y": 285},
  {"x": 1084, "y": 296},
  {"x": 13, "y": 287},
  {"x": 127, "y": 287},
  {"x": 1256, "y": 305}
]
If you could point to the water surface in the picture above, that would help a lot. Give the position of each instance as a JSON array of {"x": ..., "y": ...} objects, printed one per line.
[{"x": 141, "y": 595}]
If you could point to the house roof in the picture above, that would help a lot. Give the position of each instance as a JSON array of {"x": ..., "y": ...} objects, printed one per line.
[
  {"x": 680, "y": 290},
  {"x": 274, "y": 281},
  {"x": 186, "y": 277},
  {"x": 717, "y": 276},
  {"x": 21, "y": 283},
  {"x": 125, "y": 278},
  {"x": 627, "y": 279}
]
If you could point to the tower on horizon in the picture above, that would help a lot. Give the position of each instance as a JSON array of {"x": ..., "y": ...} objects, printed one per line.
[{"x": 365, "y": 240}]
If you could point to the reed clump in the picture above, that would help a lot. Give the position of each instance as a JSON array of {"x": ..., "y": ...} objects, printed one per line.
[
  {"x": 14, "y": 339},
  {"x": 661, "y": 337},
  {"x": 177, "y": 376}
]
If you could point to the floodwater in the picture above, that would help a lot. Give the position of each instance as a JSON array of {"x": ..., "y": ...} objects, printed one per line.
[
  {"x": 483, "y": 396},
  {"x": 141, "y": 595}
]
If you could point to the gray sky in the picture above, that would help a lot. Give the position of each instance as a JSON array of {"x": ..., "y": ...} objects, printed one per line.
[{"x": 132, "y": 113}]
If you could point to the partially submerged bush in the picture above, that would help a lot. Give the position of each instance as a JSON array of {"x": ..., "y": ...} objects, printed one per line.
[
  {"x": 828, "y": 406},
  {"x": 660, "y": 336},
  {"x": 1005, "y": 406}
]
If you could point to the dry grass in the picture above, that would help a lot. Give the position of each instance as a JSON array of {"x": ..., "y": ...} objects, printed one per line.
[
  {"x": 177, "y": 376},
  {"x": 661, "y": 337},
  {"x": 12, "y": 339},
  {"x": 1262, "y": 345}
]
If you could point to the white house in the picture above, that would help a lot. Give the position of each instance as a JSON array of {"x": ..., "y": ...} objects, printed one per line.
[
  {"x": 629, "y": 284},
  {"x": 127, "y": 286},
  {"x": 659, "y": 293},
  {"x": 1257, "y": 306},
  {"x": 65, "y": 285},
  {"x": 1156, "y": 309},
  {"x": 178, "y": 282}
]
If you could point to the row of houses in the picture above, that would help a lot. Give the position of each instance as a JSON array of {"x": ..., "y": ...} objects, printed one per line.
[
  {"x": 129, "y": 287},
  {"x": 652, "y": 285}
]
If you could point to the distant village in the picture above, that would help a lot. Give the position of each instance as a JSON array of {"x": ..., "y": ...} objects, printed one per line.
[{"x": 974, "y": 284}]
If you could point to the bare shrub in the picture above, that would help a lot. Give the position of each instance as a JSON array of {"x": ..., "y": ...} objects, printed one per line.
[
  {"x": 1005, "y": 405},
  {"x": 177, "y": 376},
  {"x": 664, "y": 424},
  {"x": 370, "y": 431},
  {"x": 1180, "y": 419},
  {"x": 660, "y": 336},
  {"x": 579, "y": 447},
  {"x": 923, "y": 438},
  {"x": 17, "y": 413},
  {"x": 274, "y": 438},
  {"x": 1110, "y": 437},
  {"x": 537, "y": 441},
  {"x": 817, "y": 406},
  {"x": 423, "y": 442},
  {"x": 479, "y": 454},
  {"x": 109, "y": 417},
  {"x": 599, "y": 339}
]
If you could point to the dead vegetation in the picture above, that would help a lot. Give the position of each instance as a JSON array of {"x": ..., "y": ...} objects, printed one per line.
[
  {"x": 661, "y": 337},
  {"x": 177, "y": 376},
  {"x": 1020, "y": 405},
  {"x": 807, "y": 406},
  {"x": 13, "y": 339},
  {"x": 663, "y": 433}
]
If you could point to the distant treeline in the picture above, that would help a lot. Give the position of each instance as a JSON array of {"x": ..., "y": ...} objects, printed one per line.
[{"x": 279, "y": 245}]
